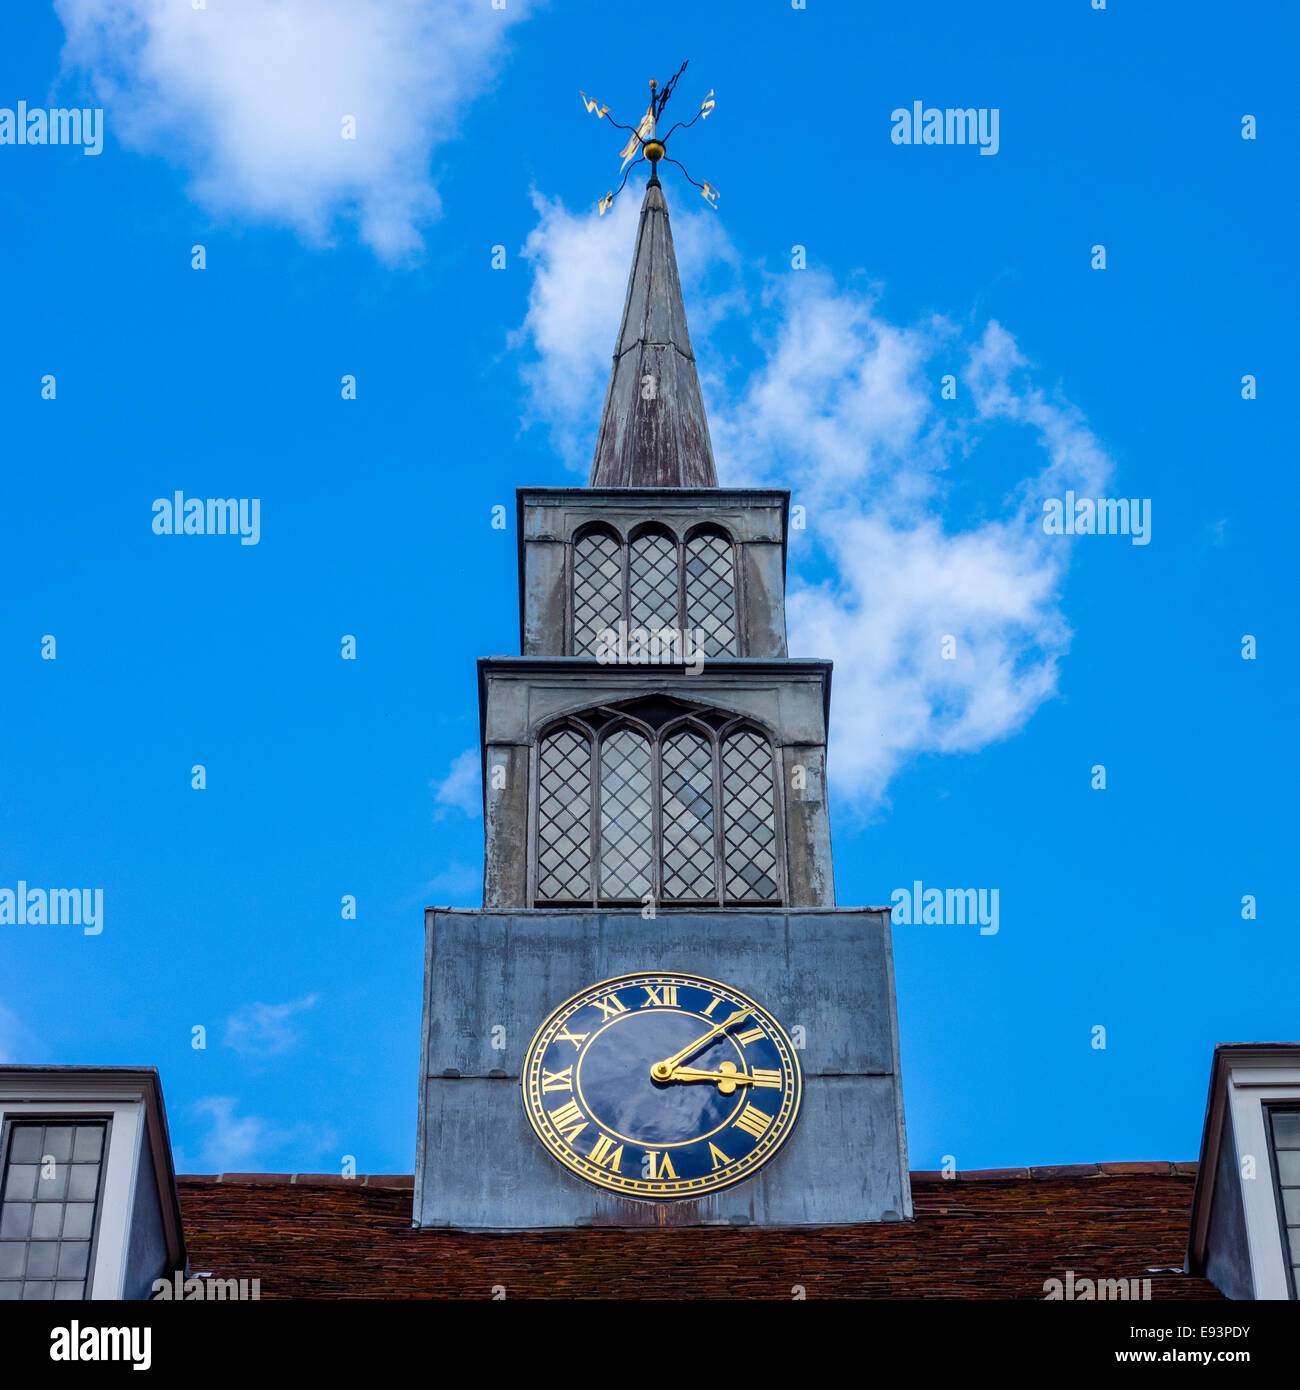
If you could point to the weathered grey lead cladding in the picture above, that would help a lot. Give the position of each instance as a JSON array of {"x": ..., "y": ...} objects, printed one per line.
[
  {"x": 653, "y": 432},
  {"x": 827, "y": 972}
]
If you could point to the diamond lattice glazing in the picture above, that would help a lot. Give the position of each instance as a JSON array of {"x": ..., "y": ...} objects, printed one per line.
[
  {"x": 711, "y": 593},
  {"x": 564, "y": 818},
  {"x": 625, "y": 824},
  {"x": 688, "y": 844},
  {"x": 652, "y": 583},
  {"x": 748, "y": 820},
  {"x": 597, "y": 589}
]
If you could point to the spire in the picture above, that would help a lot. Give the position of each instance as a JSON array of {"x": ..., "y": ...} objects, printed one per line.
[{"x": 653, "y": 432}]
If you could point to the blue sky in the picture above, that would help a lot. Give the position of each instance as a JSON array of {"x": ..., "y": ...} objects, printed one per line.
[{"x": 1119, "y": 908}]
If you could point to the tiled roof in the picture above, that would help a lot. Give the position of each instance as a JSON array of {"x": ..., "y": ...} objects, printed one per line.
[{"x": 990, "y": 1234}]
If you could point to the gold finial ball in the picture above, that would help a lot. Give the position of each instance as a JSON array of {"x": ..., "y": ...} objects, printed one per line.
[{"x": 654, "y": 150}]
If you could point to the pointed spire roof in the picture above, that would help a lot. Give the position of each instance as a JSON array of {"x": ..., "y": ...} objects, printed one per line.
[{"x": 653, "y": 433}]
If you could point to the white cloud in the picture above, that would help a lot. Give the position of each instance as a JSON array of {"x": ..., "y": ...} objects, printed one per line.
[
  {"x": 250, "y": 97},
  {"x": 844, "y": 409},
  {"x": 234, "y": 1143},
  {"x": 16, "y": 1043},
  {"x": 462, "y": 788},
  {"x": 580, "y": 267},
  {"x": 237, "y": 1143},
  {"x": 266, "y": 1030},
  {"x": 457, "y": 882}
]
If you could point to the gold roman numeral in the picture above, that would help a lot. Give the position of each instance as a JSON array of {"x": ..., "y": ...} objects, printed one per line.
[
  {"x": 569, "y": 1120},
  {"x": 748, "y": 1036},
  {"x": 753, "y": 1122},
  {"x": 766, "y": 1078},
  {"x": 605, "y": 1155},
  {"x": 720, "y": 1160},
  {"x": 660, "y": 1167},
  {"x": 577, "y": 1039},
  {"x": 654, "y": 999},
  {"x": 717, "y": 999},
  {"x": 563, "y": 1080},
  {"x": 610, "y": 1006}
]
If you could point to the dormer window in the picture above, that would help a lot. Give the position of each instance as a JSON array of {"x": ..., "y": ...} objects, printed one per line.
[
  {"x": 1245, "y": 1233},
  {"x": 1284, "y": 1141},
  {"x": 650, "y": 801},
  {"x": 88, "y": 1205},
  {"x": 656, "y": 582},
  {"x": 49, "y": 1199}
]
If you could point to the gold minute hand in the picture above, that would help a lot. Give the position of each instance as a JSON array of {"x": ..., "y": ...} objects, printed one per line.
[{"x": 662, "y": 1071}]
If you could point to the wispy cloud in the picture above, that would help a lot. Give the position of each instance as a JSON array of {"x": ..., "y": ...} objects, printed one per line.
[
  {"x": 16, "y": 1043},
  {"x": 456, "y": 883},
  {"x": 236, "y": 1143},
  {"x": 266, "y": 1030},
  {"x": 580, "y": 264},
  {"x": 251, "y": 98},
  {"x": 844, "y": 407},
  {"x": 462, "y": 788},
  {"x": 233, "y": 1143},
  {"x": 847, "y": 409}
]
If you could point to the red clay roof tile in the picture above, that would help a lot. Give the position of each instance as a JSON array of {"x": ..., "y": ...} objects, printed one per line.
[{"x": 994, "y": 1234}]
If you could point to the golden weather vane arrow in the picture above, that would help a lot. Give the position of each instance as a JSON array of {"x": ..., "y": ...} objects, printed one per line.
[{"x": 646, "y": 144}]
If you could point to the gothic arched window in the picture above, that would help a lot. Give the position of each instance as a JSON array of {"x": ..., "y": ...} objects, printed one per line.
[
  {"x": 711, "y": 592},
  {"x": 748, "y": 822},
  {"x": 652, "y": 581},
  {"x": 688, "y": 852},
  {"x": 564, "y": 807},
  {"x": 625, "y": 815},
  {"x": 650, "y": 801},
  {"x": 656, "y": 584},
  {"x": 597, "y": 586}
]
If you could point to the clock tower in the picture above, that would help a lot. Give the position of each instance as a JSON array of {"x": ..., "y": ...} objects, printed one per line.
[{"x": 659, "y": 1016}]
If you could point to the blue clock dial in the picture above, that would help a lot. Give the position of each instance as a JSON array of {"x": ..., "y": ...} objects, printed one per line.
[{"x": 661, "y": 1086}]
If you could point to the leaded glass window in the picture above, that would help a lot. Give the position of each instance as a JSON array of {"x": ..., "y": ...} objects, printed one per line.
[
  {"x": 658, "y": 584},
  {"x": 711, "y": 593},
  {"x": 49, "y": 1193},
  {"x": 564, "y": 815},
  {"x": 625, "y": 815},
  {"x": 689, "y": 852},
  {"x": 597, "y": 588},
  {"x": 646, "y": 801},
  {"x": 1284, "y": 1134},
  {"x": 748, "y": 821},
  {"x": 652, "y": 582}
]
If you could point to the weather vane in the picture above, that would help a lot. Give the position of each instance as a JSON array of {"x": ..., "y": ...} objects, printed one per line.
[{"x": 646, "y": 144}]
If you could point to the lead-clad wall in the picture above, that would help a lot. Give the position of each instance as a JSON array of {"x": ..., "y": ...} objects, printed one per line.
[
  {"x": 492, "y": 978},
  {"x": 521, "y": 698},
  {"x": 551, "y": 518}
]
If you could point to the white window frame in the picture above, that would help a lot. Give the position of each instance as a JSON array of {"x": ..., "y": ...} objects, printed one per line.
[
  {"x": 1250, "y": 1089},
  {"x": 130, "y": 1100},
  {"x": 125, "y": 1129}
]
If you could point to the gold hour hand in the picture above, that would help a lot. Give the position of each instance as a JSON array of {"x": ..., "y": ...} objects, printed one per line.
[
  {"x": 662, "y": 1071},
  {"x": 727, "y": 1077}
]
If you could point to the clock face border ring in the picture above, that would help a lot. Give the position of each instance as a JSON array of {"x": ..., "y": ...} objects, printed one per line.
[{"x": 776, "y": 1129}]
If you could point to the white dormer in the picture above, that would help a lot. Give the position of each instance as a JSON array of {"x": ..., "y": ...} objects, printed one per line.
[
  {"x": 1245, "y": 1232},
  {"x": 88, "y": 1205}
]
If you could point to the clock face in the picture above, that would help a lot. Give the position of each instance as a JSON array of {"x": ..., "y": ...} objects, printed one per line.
[{"x": 662, "y": 1086}]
